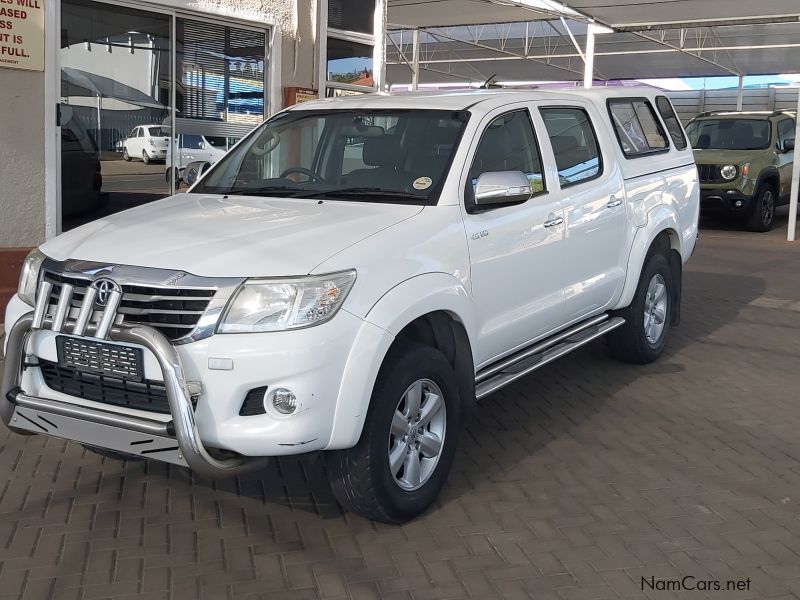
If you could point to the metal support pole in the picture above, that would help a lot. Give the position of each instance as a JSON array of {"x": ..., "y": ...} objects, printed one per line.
[
  {"x": 740, "y": 93},
  {"x": 415, "y": 60},
  {"x": 588, "y": 73},
  {"x": 795, "y": 180}
]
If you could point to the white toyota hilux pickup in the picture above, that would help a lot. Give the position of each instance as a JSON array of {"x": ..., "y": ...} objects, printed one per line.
[{"x": 352, "y": 277}]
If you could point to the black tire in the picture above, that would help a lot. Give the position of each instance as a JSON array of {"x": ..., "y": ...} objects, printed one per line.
[
  {"x": 145, "y": 157},
  {"x": 630, "y": 342},
  {"x": 113, "y": 454},
  {"x": 360, "y": 477},
  {"x": 175, "y": 176},
  {"x": 125, "y": 156},
  {"x": 762, "y": 215}
]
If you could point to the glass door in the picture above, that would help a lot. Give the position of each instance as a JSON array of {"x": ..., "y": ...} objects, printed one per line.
[
  {"x": 114, "y": 111},
  {"x": 122, "y": 144}
]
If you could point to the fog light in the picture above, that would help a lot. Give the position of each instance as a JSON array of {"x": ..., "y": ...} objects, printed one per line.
[
  {"x": 284, "y": 401},
  {"x": 738, "y": 204}
]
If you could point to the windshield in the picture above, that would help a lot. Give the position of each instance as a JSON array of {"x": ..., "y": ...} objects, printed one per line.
[
  {"x": 729, "y": 134},
  {"x": 158, "y": 131},
  {"x": 367, "y": 155}
]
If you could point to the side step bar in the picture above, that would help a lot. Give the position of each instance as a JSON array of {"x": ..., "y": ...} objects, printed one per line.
[{"x": 519, "y": 364}]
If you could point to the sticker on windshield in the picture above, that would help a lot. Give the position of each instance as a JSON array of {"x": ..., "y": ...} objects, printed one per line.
[{"x": 422, "y": 183}]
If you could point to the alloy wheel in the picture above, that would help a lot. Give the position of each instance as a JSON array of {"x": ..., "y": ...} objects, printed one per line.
[
  {"x": 416, "y": 435},
  {"x": 767, "y": 208},
  {"x": 655, "y": 309}
]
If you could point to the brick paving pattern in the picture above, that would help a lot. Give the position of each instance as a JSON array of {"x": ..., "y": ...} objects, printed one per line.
[{"x": 573, "y": 484}]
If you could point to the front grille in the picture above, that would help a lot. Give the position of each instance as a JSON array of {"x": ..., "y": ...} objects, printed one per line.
[
  {"x": 710, "y": 174},
  {"x": 146, "y": 395},
  {"x": 172, "y": 310}
]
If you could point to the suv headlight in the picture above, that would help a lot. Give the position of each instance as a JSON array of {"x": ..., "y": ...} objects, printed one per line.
[
  {"x": 728, "y": 172},
  {"x": 261, "y": 305},
  {"x": 29, "y": 277}
]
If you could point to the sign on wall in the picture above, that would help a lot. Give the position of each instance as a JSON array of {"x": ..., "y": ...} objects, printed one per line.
[{"x": 22, "y": 34}]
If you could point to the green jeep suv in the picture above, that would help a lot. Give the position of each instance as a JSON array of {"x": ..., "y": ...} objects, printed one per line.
[{"x": 744, "y": 160}]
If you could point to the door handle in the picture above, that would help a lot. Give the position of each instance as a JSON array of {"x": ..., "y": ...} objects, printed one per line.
[
  {"x": 614, "y": 202},
  {"x": 554, "y": 222}
]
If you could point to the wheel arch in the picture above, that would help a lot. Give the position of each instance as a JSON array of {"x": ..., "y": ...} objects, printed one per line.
[
  {"x": 433, "y": 309},
  {"x": 660, "y": 235},
  {"x": 769, "y": 175}
]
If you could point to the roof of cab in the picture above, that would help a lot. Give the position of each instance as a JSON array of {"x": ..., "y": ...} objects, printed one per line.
[{"x": 465, "y": 99}]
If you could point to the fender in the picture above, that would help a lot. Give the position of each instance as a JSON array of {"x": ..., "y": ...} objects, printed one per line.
[
  {"x": 768, "y": 172},
  {"x": 397, "y": 308},
  {"x": 660, "y": 218}
]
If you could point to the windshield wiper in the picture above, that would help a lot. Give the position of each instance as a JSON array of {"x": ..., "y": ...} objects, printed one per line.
[
  {"x": 271, "y": 190},
  {"x": 361, "y": 192}
]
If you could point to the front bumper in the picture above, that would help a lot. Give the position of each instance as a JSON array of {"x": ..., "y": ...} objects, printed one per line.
[
  {"x": 311, "y": 362},
  {"x": 730, "y": 201},
  {"x": 177, "y": 441}
]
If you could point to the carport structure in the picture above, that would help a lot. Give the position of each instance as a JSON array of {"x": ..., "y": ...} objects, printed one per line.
[{"x": 471, "y": 41}]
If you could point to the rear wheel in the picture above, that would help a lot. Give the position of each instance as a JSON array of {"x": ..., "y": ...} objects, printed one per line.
[
  {"x": 408, "y": 442},
  {"x": 642, "y": 338},
  {"x": 763, "y": 212},
  {"x": 145, "y": 157}
]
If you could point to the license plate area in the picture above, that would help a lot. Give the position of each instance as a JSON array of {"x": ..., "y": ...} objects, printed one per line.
[{"x": 98, "y": 357}]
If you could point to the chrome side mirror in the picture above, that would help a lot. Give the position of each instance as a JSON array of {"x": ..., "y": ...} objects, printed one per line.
[{"x": 502, "y": 187}]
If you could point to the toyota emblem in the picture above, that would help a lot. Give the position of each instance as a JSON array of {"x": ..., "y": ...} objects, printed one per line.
[{"x": 104, "y": 287}]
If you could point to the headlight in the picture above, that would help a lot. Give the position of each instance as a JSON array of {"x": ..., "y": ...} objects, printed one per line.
[
  {"x": 279, "y": 304},
  {"x": 728, "y": 172},
  {"x": 29, "y": 277}
]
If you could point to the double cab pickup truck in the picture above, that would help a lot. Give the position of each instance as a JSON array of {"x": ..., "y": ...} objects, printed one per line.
[{"x": 352, "y": 278}]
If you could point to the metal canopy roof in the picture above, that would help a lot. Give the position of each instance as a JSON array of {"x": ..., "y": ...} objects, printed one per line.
[
  {"x": 630, "y": 13},
  {"x": 448, "y": 13},
  {"x": 526, "y": 39}
]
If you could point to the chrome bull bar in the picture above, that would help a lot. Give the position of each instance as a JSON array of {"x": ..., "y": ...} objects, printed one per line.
[{"x": 183, "y": 425}]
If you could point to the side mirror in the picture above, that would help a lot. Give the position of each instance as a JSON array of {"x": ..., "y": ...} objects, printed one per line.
[
  {"x": 502, "y": 187},
  {"x": 194, "y": 170},
  {"x": 788, "y": 145}
]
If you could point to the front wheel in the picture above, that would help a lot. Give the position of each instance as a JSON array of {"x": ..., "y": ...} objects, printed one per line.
[
  {"x": 763, "y": 214},
  {"x": 642, "y": 338},
  {"x": 125, "y": 156},
  {"x": 408, "y": 442}
]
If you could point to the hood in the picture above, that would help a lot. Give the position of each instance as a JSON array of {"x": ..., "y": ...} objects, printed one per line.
[
  {"x": 233, "y": 237},
  {"x": 725, "y": 157}
]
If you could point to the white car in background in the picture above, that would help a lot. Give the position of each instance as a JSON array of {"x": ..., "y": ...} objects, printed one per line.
[
  {"x": 194, "y": 148},
  {"x": 147, "y": 142}
]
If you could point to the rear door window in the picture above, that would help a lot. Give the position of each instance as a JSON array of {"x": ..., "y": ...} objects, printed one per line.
[
  {"x": 671, "y": 121},
  {"x": 637, "y": 127},
  {"x": 574, "y": 144}
]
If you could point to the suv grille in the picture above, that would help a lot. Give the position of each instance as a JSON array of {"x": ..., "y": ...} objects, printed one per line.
[
  {"x": 710, "y": 174},
  {"x": 173, "y": 311},
  {"x": 146, "y": 395}
]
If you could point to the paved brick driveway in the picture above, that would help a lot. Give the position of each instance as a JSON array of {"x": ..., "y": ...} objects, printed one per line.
[{"x": 573, "y": 484}]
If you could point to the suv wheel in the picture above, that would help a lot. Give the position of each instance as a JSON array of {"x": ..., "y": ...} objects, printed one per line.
[
  {"x": 642, "y": 338},
  {"x": 763, "y": 213},
  {"x": 408, "y": 442}
]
